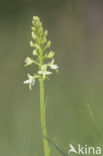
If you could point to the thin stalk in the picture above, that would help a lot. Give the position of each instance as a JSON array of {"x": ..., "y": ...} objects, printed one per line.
[{"x": 43, "y": 120}]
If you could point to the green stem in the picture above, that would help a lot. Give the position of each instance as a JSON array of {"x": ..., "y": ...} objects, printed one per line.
[{"x": 43, "y": 120}]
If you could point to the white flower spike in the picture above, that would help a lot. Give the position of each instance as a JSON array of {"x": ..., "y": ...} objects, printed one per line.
[
  {"x": 41, "y": 55},
  {"x": 40, "y": 44}
]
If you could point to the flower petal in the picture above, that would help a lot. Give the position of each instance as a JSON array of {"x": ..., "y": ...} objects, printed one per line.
[
  {"x": 48, "y": 72},
  {"x": 28, "y": 81}
]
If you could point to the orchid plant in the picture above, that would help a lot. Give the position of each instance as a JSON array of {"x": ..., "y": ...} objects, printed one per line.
[{"x": 44, "y": 60}]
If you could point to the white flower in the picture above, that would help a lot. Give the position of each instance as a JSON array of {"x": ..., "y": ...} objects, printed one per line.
[
  {"x": 28, "y": 61},
  {"x": 44, "y": 71},
  {"x": 53, "y": 66},
  {"x": 30, "y": 81}
]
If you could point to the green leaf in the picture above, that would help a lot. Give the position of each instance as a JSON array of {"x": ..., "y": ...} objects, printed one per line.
[{"x": 58, "y": 147}]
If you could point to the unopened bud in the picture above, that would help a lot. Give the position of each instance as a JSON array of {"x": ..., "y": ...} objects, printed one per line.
[
  {"x": 35, "y": 18},
  {"x": 34, "y": 52},
  {"x": 33, "y": 28},
  {"x": 37, "y": 46},
  {"x": 50, "y": 55},
  {"x": 44, "y": 40},
  {"x": 46, "y": 33},
  {"x": 33, "y": 35},
  {"x": 31, "y": 44},
  {"x": 48, "y": 44},
  {"x": 40, "y": 30}
]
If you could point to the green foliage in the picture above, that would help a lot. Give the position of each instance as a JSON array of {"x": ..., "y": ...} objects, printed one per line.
[{"x": 58, "y": 147}]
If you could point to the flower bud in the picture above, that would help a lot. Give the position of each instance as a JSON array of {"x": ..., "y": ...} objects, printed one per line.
[
  {"x": 48, "y": 44},
  {"x": 35, "y": 18},
  {"x": 44, "y": 40},
  {"x": 31, "y": 44},
  {"x": 40, "y": 30},
  {"x": 33, "y": 35},
  {"x": 33, "y": 28},
  {"x": 35, "y": 52},
  {"x": 40, "y": 24},
  {"x": 50, "y": 55},
  {"x": 37, "y": 46},
  {"x": 46, "y": 33}
]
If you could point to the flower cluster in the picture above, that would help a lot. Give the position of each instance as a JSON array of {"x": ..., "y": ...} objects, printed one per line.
[{"x": 42, "y": 58}]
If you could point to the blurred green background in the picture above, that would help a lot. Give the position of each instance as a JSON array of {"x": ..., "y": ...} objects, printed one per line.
[{"x": 76, "y": 31}]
